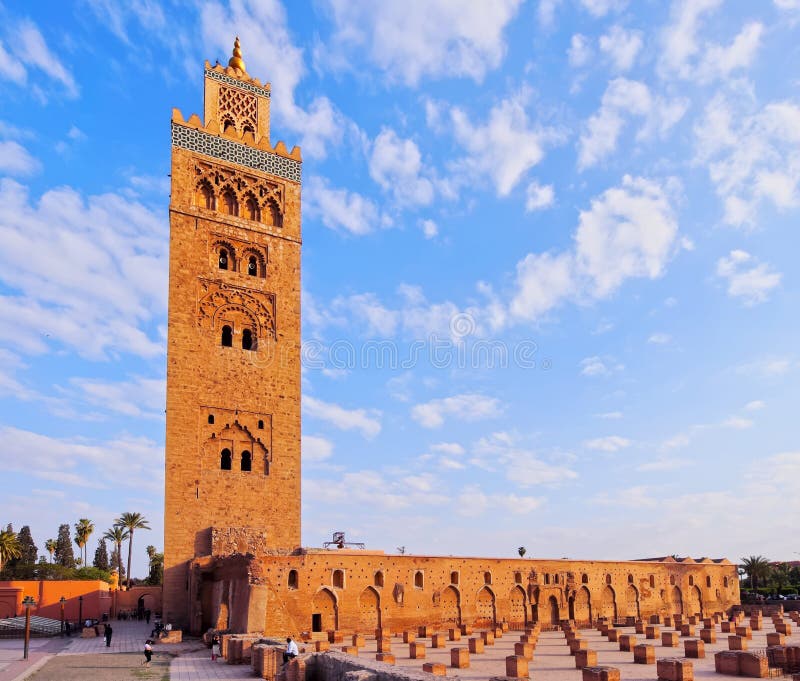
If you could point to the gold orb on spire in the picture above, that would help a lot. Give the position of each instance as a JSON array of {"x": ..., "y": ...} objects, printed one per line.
[{"x": 236, "y": 60}]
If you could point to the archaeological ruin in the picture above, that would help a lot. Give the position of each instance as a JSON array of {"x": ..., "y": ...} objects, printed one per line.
[{"x": 233, "y": 558}]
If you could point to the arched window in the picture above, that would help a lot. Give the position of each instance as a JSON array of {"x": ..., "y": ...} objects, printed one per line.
[
  {"x": 227, "y": 336},
  {"x": 419, "y": 579},
  {"x": 225, "y": 459},
  {"x": 223, "y": 259},
  {"x": 584, "y": 578},
  {"x": 691, "y": 581},
  {"x": 555, "y": 578},
  {"x": 205, "y": 197},
  {"x": 608, "y": 579},
  {"x": 454, "y": 577},
  {"x": 230, "y": 203},
  {"x": 630, "y": 579},
  {"x": 672, "y": 580},
  {"x": 228, "y": 125},
  {"x": 261, "y": 424},
  {"x": 247, "y": 461},
  {"x": 252, "y": 266},
  {"x": 247, "y": 339},
  {"x": 652, "y": 581},
  {"x": 517, "y": 578},
  {"x": 251, "y": 209},
  {"x": 708, "y": 582},
  {"x": 546, "y": 578},
  {"x": 487, "y": 577},
  {"x": 292, "y": 581},
  {"x": 338, "y": 579},
  {"x": 379, "y": 578},
  {"x": 725, "y": 582},
  {"x": 248, "y": 128},
  {"x": 211, "y": 419},
  {"x": 275, "y": 217}
]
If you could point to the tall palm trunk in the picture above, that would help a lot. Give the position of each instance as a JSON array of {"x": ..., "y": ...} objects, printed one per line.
[{"x": 130, "y": 552}]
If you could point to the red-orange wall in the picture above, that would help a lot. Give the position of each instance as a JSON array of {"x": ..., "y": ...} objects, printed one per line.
[{"x": 96, "y": 598}]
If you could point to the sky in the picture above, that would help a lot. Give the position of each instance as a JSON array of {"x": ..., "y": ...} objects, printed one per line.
[{"x": 549, "y": 294}]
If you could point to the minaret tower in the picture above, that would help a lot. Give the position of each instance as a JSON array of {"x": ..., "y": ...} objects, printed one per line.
[{"x": 233, "y": 349}]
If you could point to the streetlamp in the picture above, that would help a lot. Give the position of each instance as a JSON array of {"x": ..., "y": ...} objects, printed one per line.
[
  {"x": 80, "y": 611},
  {"x": 28, "y": 602},
  {"x": 62, "y": 600}
]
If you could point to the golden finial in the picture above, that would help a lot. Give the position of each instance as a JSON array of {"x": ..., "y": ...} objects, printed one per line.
[{"x": 236, "y": 60}]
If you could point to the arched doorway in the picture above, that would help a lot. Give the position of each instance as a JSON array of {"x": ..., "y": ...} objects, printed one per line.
[
  {"x": 369, "y": 609},
  {"x": 632, "y": 602},
  {"x": 571, "y": 604},
  {"x": 608, "y": 603},
  {"x": 519, "y": 608},
  {"x": 695, "y": 604},
  {"x": 677, "y": 601},
  {"x": 485, "y": 610},
  {"x": 555, "y": 615},
  {"x": 325, "y": 612},
  {"x": 451, "y": 606},
  {"x": 583, "y": 606}
]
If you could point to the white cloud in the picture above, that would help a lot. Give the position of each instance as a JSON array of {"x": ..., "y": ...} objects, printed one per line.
[
  {"x": 621, "y": 46},
  {"x": 11, "y": 68},
  {"x": 365, "y": 421},
  {"x": 787, "y": 4},
  {"x": 449, "y": 448},
  {"x": 543, "y": 281},
  {"x": 610, "y": 415},
  {"x": 659, "y": 338},
  {"x": 746, "y": 278},
  {"x": 720, "y": 62},
  {"x": 429, "y": 228},
  {"x": 464, "y": 407},
  {"x": 737, "y": 423},
  {"x": 15, "y": 159},
  {"x": 599, "y": 8},
  {"x": 522, "y": 466},
  {"x": 316, "y": 448},
  {"x": 546, "y": 12},
  {"x": 98, "y": 282},
  {"x": 139, "y": 397},
  {"x": 396, "y": 165},
  {"x": 609, "y": 443},
  {"x": 767, "y": 367},
  {"x": 580, "y": 50},
  {"x": 755, "y": 405},
  {"x": 418, "y": 39},
  {"x": 270, "y": 53},
  {"x": 663, "y": 464},
  {"x": 599, "y": 366},
  {"x": 340, "y": 209},
  {"x": 539, "y": 197},
  {"x": 622, "y": 99}
]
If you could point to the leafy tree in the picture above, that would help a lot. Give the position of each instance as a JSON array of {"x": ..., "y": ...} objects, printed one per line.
[
  {"x": 101, "y": 556},
  {"x": 757, "y": 568},
  {"x": 780, "y": 574},
  {"x": 117, "y": 535},
  {"x": 64, "y": 554},
  {"x": 50, "y": 547},
  {"x": 9, "y": 546},
  {"x": 156, "y": 575},
  {"x": 522, "y": 551},
  {"x": 83, "y": 530},
  {"x": 131, "y": 521},
  {"x": 28, "y": 550}
]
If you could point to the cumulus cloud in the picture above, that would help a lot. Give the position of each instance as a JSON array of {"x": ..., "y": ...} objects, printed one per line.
[
  {"x": 365, "y": 421},
  {"x": 429, "y": 228},
  {"x": 139, "y": 397},
  {"x": 599, "y": 366},
  {"x": 16, "y": 160},
  {"x": 396, "y": 165},
  {"x": 599, "y": 8},
  {"x": 621, "y": 46},
  {"x": 341, "y": 209},
  {"x": 659, "y": 338},
  {"x": 580, "y": 50},
  {"x": 414, "y": 40},
  {"x": 609, "y": 443},
  {"x": 464, "y": 407},
  {"x": 539, "y": 197},
  {"x": 747, "y": 279},
  {"x": 316, "y": 448}
]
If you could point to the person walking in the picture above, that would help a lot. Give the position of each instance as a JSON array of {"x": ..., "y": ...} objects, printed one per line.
[
  {"x": 107, "y": 633},
  {"x": 148, "y": 652},
  {"x": 215, "y": 648}
]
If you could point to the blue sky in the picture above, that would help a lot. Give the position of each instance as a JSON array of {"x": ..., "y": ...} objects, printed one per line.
[{"x": 568, "y": 228}]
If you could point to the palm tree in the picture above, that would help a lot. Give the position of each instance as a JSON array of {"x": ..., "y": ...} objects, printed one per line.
[
  {"x": 118, "y": 535},
  {"x": 83, "y": 530},
  {"x": 522, "y": 551},
  {"x": 9, "y": 545},
  {"x": 131, "y": 522},
  {"x": 50, "y": 546},
  {"x": 80, "y": 544},
  {"x": 757, "y": 568}
]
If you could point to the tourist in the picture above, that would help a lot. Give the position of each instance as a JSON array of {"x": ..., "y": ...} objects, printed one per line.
[
  {"x": 107, "y": 634},
  {"x": 148, "y": 652},
  {"x": 215, "y": 648},
  {"x": 291, "y": 650},
  {"x": 147, "y": 616}
]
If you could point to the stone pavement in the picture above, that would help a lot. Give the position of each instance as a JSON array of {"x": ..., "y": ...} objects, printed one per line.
[{"x": 197, "y": 666}]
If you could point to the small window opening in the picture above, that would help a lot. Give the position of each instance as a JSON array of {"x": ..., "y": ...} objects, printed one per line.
[
  {"x": 338, "y": 579},
  {"x": 251, "y": 209},
  {"x": 261, "y": 424},
  {"x": 652, "y": 581},
  {"x": 378, "y": 579},
  {"x": 454, "y": 578},
  {"x": 630, "y": 579},
  {"x": 211, "y": 419},
  {"x": 672, "y": 580},
  {"x": 227, "y": 337},
  {"x": 225, "y": 459},
  {"x": 230, "y": 202},
  {"x": 252, "y": 266},
  {"x": 419, "y": 579},
  {"x": 247, "y": 461},
  {"x": 247, "y": 339},
  {"x": 248, "y": 128},
  {"x": 228, "y": 125},
  {"x": 608, "y": 579},
  {"x": 584, "y": 578},
  {"x": 223, "y": 259},
  {"x": 725, "y": 582},
  {"x": 517, "y": 578},
  {"x": 546, "y": 578},
  {"x": 292, "y": 581},
  {"x": 205, "y": 197},
  {"x": 691, "y": 581},
  {"x": 555, "y": 579},
  {"x": 708, "y": 581},
  {"x": 487, "y": 577}
]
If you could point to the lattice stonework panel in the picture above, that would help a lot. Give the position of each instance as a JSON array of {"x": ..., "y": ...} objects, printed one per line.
[
  {"x": 241, "y": 107},
  {"x": 233, "y": 152}
]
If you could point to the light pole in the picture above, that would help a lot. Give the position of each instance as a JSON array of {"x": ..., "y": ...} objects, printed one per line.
[
  {"x": 62, "y": 600},
  {"x": 28, "y": 602},
  {"x": 80, "y": 612}
]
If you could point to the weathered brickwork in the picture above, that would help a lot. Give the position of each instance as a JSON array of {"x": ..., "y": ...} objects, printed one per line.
[{"x": 232, "y": 510}]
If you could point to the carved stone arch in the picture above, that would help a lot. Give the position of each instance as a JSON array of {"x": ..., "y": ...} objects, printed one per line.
[
  {"x": 216, "y": 297},
  {"x": 236, "y": 438},
  {"x": 369, "y": 607},
  {"x": 485, "y": 608},
  {"x": 261, "y": 261},
  {"x": 451, "y": 605},
  {"x": 240, "y": 315},
  {"x": 229, "y": 200},
  {"x": 251, "y": 208},
  {"x": 216, "y": 247},
  {"x": 204, "y": 195},
  {"x": 272, "y": 213},
  {"x": 518, "y": 607},
  {"x": 583, "y": 605},
  {"x": 227, "y": 122},
  {"x": 632, "y": 601},
  {"x": 325, "y": 606},
  {"x": 608, "y": 602}
]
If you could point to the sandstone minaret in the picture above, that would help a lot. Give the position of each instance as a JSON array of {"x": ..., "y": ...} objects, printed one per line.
[{"x": 233, "y": 348}]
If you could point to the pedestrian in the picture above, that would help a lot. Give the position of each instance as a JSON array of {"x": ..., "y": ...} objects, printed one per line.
[
  {"x": 148, "y": 652},
  {"x": 147, "y": 616},
  {"x": 107, "y": 634},
  {"x": 291, "y": 650},
  {"x": 215, "y": 648}
]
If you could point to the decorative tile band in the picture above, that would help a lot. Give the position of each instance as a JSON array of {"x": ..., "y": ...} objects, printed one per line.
[
  {"x": 233, "y": 152},
  {"x": 224, "y": 78}
]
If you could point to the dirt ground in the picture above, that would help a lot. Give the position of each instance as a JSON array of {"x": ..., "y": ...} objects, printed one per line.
[{"x": 117, "y": 667}]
